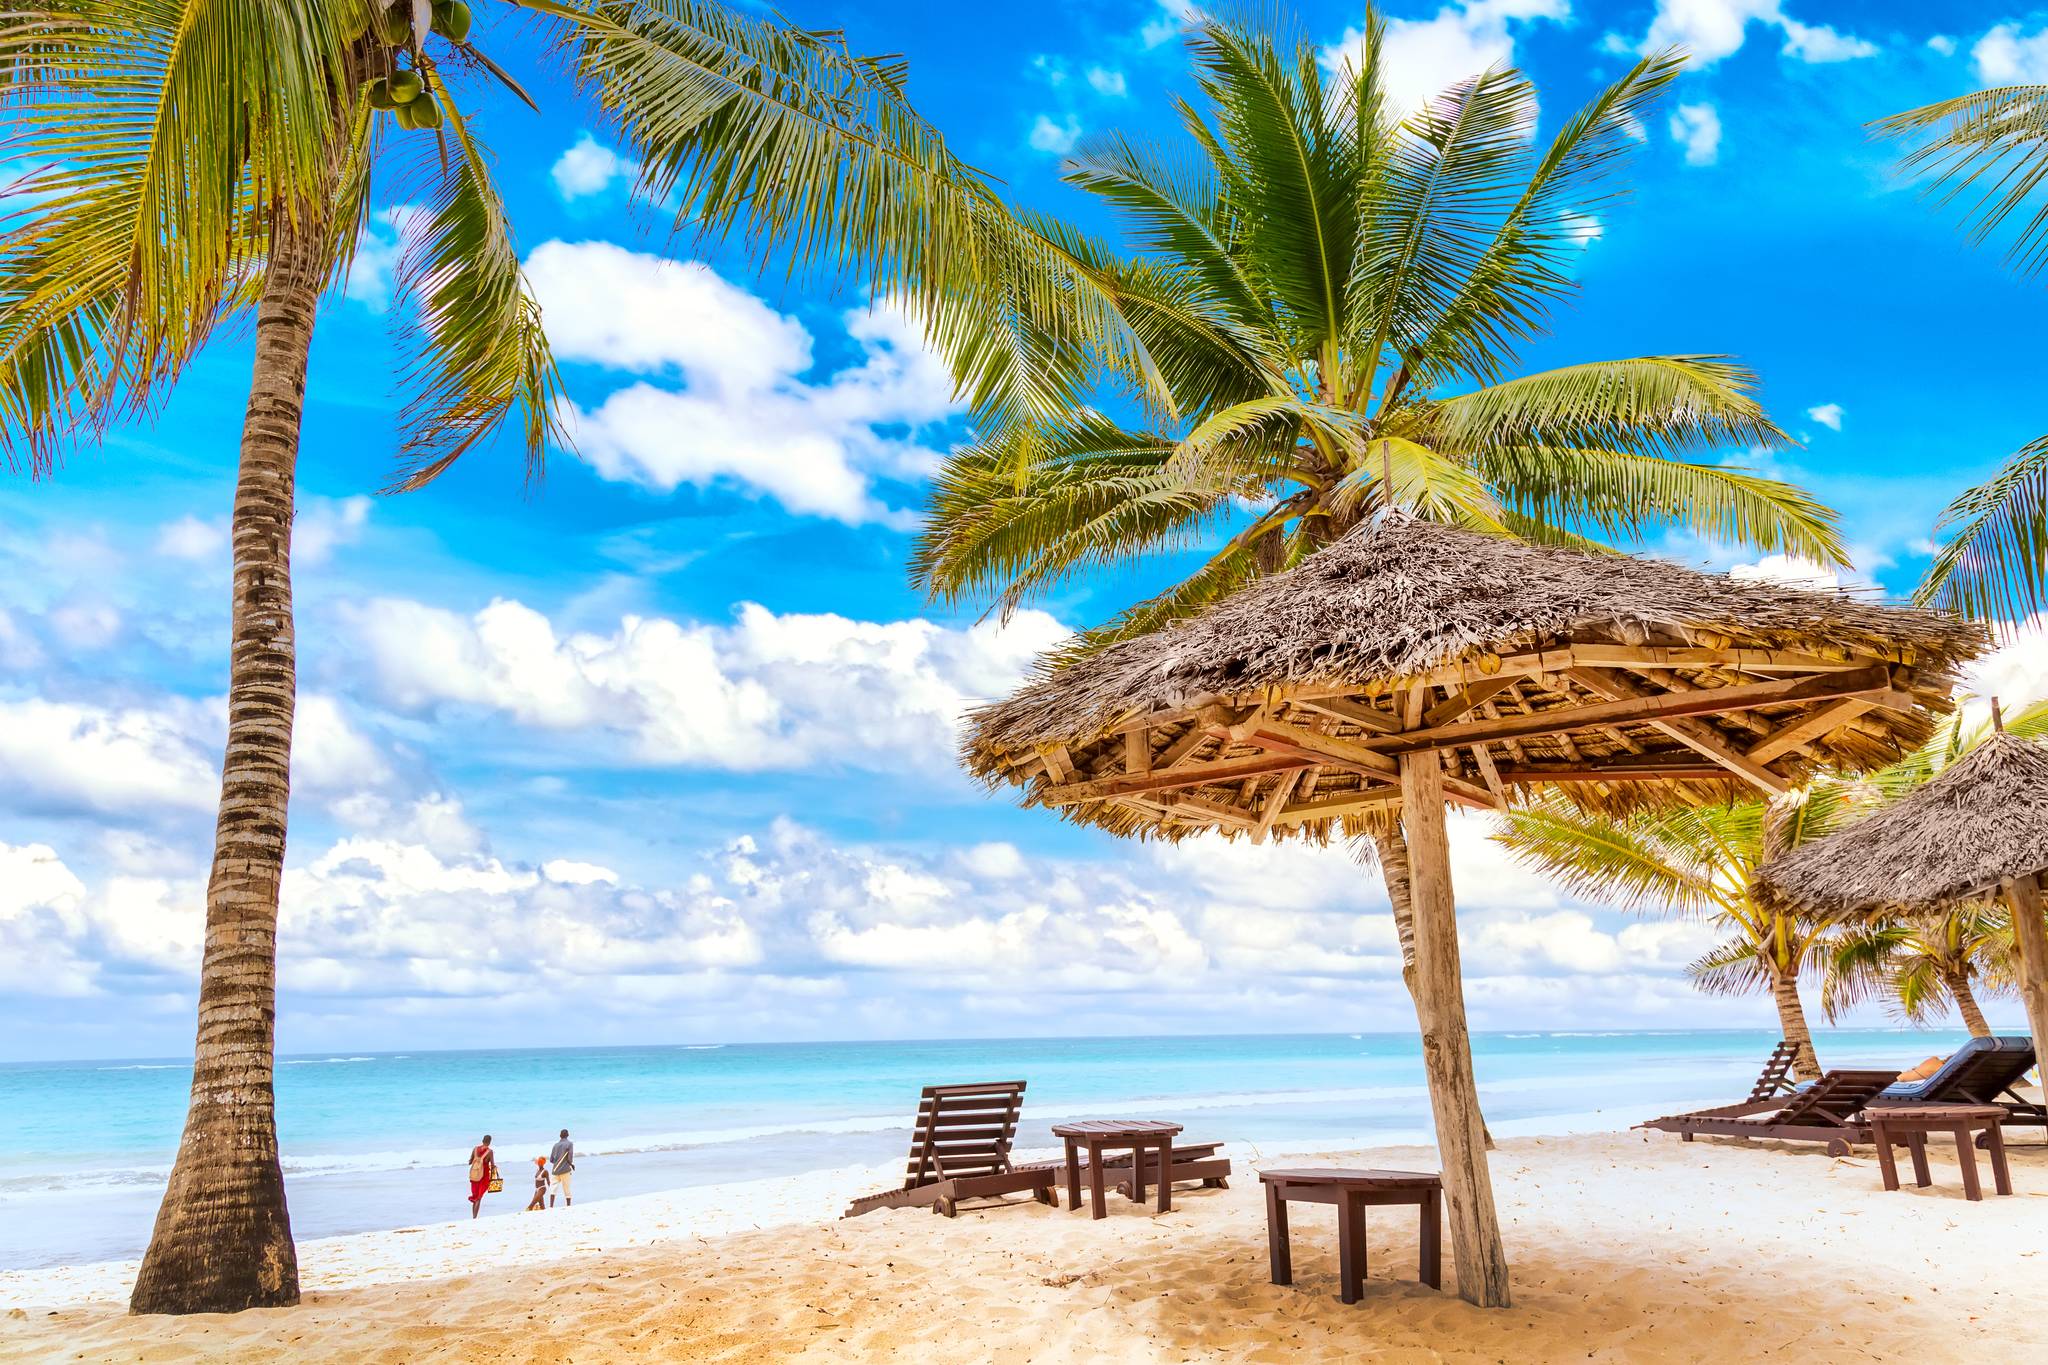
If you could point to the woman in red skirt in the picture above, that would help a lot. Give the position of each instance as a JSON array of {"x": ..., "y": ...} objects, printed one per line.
[{"x": 483, "y": 1169}]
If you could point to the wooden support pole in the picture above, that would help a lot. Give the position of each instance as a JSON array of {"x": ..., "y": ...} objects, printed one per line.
[
  {"x": 1446, "y": 1045},
  {"x": 2030, "y": 945}
]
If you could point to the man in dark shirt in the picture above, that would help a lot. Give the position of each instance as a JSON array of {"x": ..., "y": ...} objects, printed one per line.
[{"x": 563, "y": 1162}]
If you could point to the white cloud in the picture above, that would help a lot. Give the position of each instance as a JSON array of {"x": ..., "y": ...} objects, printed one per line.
[
  {"x": 1712, "y": 29},
  {"x": 1583, "y": 228},
  {"x": 1166, "y": 24},
  {"x": 323, "y": 525},
  {"x": 1943, "y": 44},
  {"x": 2007, "y": 55},
  {"x": 745, "y": 417},
  {"x": 766, "y": 692},
  {"x": 1422, "y": 57},
  {"x": 2016, "y": 672},
  {"x": 373, "y": 274},
  {"x": 1828, "y": 415},
  {"x": 589, "y": 168},
  {"x": 63, "y": 756},
  {"x": 1056, "y": 137},
  {"x": 85, "y": 623},
  {"x": 193, "y": 538},
  {"x": 1697, "y": 128},
  {"x": 1108, "y": 81},
  {"x": 1788, "y": 570}
]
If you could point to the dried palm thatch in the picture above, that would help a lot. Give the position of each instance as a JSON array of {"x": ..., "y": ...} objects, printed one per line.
[
  {"x": 1982, "y": 822},
  {"x": 1283, "y": 709}
]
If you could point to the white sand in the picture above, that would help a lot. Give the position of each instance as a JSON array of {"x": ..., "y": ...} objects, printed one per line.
[{"x": 1625, "y": 1247}]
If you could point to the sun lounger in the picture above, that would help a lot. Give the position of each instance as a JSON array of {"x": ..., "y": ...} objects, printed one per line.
[
  {"x": 1981, "y": 1071},
  {"x": 960, "y": 1149},
  {"x": 1776, "y": 1078},
  {"x": 1827, "y": 1111},
  {"x": 1202, "y": 1161}
]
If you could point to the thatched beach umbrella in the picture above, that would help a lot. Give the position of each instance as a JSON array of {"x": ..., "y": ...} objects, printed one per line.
[
  {"x": 1409, "y": 664},
  {"x": 1977, "y": 831}
]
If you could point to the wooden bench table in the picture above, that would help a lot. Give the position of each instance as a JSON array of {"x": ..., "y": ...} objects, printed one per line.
[
  {"x": 1909, "y": 1124},
  {"x": 1138, "y": 1136},
  {"x": 1352, "y": 1192}
]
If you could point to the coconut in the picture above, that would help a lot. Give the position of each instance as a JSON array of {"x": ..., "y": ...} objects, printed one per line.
[
  {"x": 452, "y": 20},
  {"x": 380, "y": 94},
  {"x": 397, "y": 24},
  {"x": 406, "y": 86},
  {"x": 425, "y": 113}
]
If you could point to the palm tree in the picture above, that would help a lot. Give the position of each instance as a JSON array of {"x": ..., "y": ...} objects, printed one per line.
[
  {"x": 1991, "y": 148},
  {"x": 1696, "y": 862},
  {"x": 1921, "y": 966},
  {"x": 1319, "y": 317},
  {"x": 209, "y": 162}
]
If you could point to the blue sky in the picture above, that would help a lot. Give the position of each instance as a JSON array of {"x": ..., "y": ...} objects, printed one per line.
[{"x": 660, "y": 750}]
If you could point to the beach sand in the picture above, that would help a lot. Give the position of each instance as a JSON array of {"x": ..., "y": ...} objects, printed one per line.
[{"x": 1625, "y": 1247}]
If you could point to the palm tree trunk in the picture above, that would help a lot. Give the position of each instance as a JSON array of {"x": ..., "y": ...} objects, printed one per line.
[
  {"x": 1958, "y": 985},
  {"x": 1392, "y": 850},
  {"x": 1792, "y": 1024},
  {"x": 223, "y": 1238}
]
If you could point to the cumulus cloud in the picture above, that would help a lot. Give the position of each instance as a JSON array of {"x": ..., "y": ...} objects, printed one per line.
[
  {"x": 373, "y": 274},
  {"x": 1789, "y": 570},
  {"x": 1107, "y": 81},
  {"x": 1425, "y": 56},
  {"x": 744, "y": 417},
  {"x": 1167, "y": 22},
  {"x": 768, "y": 691},
  {"x": 1712, "y": 29},
  {"x": 1828, "y": 415},
  {"x": 1055, "y": 136},
  {"x": 193, "y": 538},
  {"x": 2009, "y": 55},
  {"x": 323, "y": 525},
  {"x": 589, "y": 168},
  {"x": 1697, "y": 128}
]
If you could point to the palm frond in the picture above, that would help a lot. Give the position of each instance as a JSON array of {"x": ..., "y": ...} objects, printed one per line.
[
  {"x": 1736, "y": 967},
  {"x": 1994, "y": 543},
  {"x": 1631, "y": 862},
  {"x": 1990, "y": 148},
  {"x": 482, "y": 353}
]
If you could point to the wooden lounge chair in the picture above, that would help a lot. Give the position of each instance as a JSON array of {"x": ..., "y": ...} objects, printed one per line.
[
  {"x": 1827, "y": 1111},
  {"x": 1776, "y": 1077},
  {"x": 1981, "y": 1071},
  {"x": 960, "y": 1149},
  {"x": 1201, "y": 1161}
]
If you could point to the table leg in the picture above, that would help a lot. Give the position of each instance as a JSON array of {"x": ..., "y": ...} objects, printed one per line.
[
  {"x": 1966, "y": 1157},
  {"x": 1916, "y": 1142},
  {"x": 1138, "y": 1174},
  {"x": 1073, "y": 1176},
  {"x": 2001, "y": 1174},
  {"x": 1277, "y": 1250},
  {"x": 1887, "y": 1164},
  {"x": 1350, "y": 1246},
  {"x": 1096, "y": 1207},
  {"x": 1432, "y": 1239},
  {"x": 1166, "y": 1176}
]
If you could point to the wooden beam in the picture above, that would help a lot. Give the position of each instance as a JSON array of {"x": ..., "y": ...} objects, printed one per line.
[
  {"x": 1672, "y": 768},
  {"x": 1276, "y": 799},
  {"x": 1413, "y": 704},
  {"x": 1797, "y": 733},
  {"x": 1350, "y": 803},
  {"x": 1215, "y": 811},
  {"x": 1138, "y": 751},
  {"x": 1359, "y": 714},
  {"x": 2030, "y": 949},
  {"x": 1491, "y": 774},
  {"x": 1192, "y": 775},
  {"x": 1629, "y": 703},
  {"x": 1704, "y": 738},
  {"x": 1476, "y": 1246},
  {"x": 1183, "y": 748},
  {"x": 1748, "y": 660},
  {"x": 1464, "y": 701},
  {"x": 1278, "y": 736}
]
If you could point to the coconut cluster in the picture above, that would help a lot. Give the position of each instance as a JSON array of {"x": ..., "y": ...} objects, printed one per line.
[{"x": 403, "y": 92}]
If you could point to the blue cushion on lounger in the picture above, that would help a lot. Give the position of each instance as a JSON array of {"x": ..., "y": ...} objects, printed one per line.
[{"x": 1960, "y": 1061}]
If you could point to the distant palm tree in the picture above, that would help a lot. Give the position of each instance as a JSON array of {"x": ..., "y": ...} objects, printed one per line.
[
  {"x": 203, "y": 163},
  {"x": 1991, "y": 148},
  {"x": 1696, "y": 863},
  {"x": 1921, "y": 966},
  {"x": 1320, "y": 316}
]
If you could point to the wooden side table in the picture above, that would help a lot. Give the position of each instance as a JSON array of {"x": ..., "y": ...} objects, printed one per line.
[
  {"x": 1352, "y": 1192},
  {"x": 1138, "y": 1136},
  {"x": 1909, "y": 1124}
]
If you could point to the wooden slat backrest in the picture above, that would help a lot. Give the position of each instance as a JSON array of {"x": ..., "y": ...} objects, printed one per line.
[
  {"x": 1836, "y": 1097},
  {"x": 1777, "y": 1071},
  {"x": 966, "y": 1129},
  {"x": 1984, "y": 1077}
]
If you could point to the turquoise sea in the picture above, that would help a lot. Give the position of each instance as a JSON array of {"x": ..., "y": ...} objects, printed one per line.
[{"x": 380, "y": 1140}]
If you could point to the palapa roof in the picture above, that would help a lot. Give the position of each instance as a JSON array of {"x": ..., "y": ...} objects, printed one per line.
[
  {"x": 1282, "y": 708},
  {"x": 1983, "y": 820}
]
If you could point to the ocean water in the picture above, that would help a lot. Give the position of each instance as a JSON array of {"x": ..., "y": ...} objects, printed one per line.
[{"x": 381, "y": 1140}]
